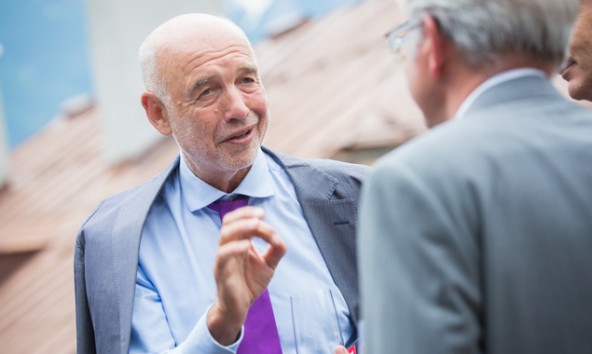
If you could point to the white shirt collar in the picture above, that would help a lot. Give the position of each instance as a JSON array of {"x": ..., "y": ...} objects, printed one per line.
[
  {"x": 198, "y": 194},
  {"x": 494, "y": 81}
]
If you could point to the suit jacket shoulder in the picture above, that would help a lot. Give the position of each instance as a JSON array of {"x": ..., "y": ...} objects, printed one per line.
[
  {"x": 344, "y": 179},
  {"x": 105, "y": 263}
]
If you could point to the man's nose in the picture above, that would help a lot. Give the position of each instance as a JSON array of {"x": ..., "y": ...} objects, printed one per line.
[{"x": 236, "y": 107}]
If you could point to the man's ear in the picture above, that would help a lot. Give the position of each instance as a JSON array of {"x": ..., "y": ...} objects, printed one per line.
[
  {"x": 436, "y": 46},
  {"x": 156, "y": 113}
]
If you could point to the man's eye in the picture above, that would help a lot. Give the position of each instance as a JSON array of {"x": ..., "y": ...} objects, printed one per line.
[
  {"x": 247, "y": 80},
  {"x": 207, "y": 92}
]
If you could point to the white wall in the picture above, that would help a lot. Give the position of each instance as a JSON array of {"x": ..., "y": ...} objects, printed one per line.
[
  {"x": 116, "y": 30},
  {"x": 4, "y": 155}
]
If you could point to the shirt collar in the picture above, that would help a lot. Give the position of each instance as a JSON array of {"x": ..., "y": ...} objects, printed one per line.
[
  {"x": 494, "y": 81},
  {"x": 197, "y": 194}
]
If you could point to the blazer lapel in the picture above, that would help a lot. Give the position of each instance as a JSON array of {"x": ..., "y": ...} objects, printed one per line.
[
  {"x": 332, "y": 220},
  {"x": 127, "y": 231}
]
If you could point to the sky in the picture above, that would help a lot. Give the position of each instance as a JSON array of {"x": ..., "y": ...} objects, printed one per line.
[
  {"x": 254, "y": 8},
  {"x": 45, "y": 62}
]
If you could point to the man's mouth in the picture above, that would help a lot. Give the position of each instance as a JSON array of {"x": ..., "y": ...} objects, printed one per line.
[{"x": 241, "y": 136}]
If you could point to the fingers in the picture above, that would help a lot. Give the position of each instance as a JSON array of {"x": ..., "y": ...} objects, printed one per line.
[
  {"x": 244, "y": 224},
  {"x": 273, "y": 255},
  {"x": 243, "y": 213},
  {"x": 233, "y": 249},
  {"x": 241, "y": 272}
]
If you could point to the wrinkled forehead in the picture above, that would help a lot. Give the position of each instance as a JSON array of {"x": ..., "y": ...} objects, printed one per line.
[{"x": 198, "y": 32}]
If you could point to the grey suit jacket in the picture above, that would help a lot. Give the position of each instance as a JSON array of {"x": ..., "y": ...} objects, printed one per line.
[
  {"x": 477, "y": 236},
  {"x": 106, "y": 255}
]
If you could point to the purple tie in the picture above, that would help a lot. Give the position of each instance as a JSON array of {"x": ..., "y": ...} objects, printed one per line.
[{"x": 261, "y": 333}]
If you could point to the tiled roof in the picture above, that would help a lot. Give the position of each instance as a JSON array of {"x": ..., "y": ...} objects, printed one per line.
[
  {"x": 56, "y": 180},
  {"x": 333, "y": 83}
]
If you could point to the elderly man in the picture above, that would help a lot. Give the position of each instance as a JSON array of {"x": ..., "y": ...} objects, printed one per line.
[
  {"x": 577, "y": 70},
  {"x": 144, "y": 258},
  {"x": 476, "y": 237}
]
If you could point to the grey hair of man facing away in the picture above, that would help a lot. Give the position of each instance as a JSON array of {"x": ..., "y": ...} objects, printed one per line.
[
  {"x": 538, "y": 29},
  {"x": 533, "y": 31}
]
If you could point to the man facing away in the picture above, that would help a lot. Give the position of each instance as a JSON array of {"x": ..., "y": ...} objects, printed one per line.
[
  {"x": 577, "y": 70},
  {"x": 476, "y": 237},
  {"x": 156, "y": 270}
]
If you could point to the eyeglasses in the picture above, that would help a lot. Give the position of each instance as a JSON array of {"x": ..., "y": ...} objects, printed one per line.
[{"x": 396, "y": 38}]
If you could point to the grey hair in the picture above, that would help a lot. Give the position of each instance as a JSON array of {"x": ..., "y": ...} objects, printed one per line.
[
  {"x": 153, "y": 81},
  {"x": 483, "y": 31}
]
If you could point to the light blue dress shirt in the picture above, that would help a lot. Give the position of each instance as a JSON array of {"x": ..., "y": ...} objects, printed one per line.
[{"x": 175, "y": 285}]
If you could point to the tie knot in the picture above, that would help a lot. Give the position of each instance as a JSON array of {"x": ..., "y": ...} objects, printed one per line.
[{"x": 228, "y": 205}]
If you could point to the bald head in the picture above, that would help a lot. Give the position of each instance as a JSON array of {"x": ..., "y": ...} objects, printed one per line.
[{"x": 179, "y": 36}]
